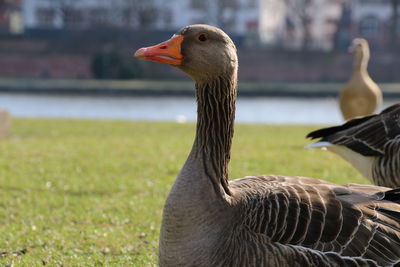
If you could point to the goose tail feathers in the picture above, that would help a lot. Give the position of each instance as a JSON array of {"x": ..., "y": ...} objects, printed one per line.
[
  {"x": 322, "y": 144},
  {"x": 392, "y": 195}
]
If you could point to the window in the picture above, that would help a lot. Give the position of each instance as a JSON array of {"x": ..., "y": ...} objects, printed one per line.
[
  {"x": 229, "y": 3},
  {"x": 369, "y": 26},
  {"x": 98, "y": 16},
  {"x": 199, "y": 4},
  {"x": 198, "y": 20},
  {"x": 72, "y": 17},
  {"x": 252, "y": 3},
  {"x": 168, "y": 18},
  {"x": 45, "y": 17},
  {"x": 127, "y": 16},
  {"x": 398, "y": 27}
]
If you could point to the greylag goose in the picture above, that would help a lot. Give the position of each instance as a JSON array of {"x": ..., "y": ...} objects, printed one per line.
[
  {"x": 361, "y": 95},
  {"x": 371, "y": 144},
  {"x": 265, "y": 220}
]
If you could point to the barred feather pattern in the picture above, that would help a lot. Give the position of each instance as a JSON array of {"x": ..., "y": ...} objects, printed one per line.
[
  {"x": 283, "y": 217},
  {"x": 268, "y": 220},
  {"x": 258, "y": 252},
  {"x": 386, "y": 169},
  {"x": 371, "y": 136}
]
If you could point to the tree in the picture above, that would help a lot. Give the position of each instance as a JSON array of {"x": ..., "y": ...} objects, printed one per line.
[
  {"x": 343, "y": 28},
  {"x": 300, "y": 10}
]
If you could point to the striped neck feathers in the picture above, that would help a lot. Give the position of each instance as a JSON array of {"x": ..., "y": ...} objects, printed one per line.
[{"x": 216, "y": 100}]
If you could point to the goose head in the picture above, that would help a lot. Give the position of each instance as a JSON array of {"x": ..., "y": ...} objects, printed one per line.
[
  {"x": 201, "y": 51},
  {"x": 360, "y": 48}
]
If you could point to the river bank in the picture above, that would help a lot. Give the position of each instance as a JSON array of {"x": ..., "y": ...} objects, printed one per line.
[{"x": 175, "y": 88}]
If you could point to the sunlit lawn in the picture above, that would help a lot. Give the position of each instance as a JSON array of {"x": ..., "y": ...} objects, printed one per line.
[{"x": 90, "y": 193}]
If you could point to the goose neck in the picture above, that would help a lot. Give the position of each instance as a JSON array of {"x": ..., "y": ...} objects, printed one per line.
[
  {"x": 214, "y": 131},
  {"x": 361, "y": 62}
]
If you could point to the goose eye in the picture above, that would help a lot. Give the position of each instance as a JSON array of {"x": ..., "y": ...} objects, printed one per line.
[{"x": 202, "y": 37}]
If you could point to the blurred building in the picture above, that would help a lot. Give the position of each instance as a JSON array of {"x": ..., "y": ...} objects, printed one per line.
[
  {"x": 76, "y": 14},
  {"x": 372, "y": 20},
  {"x": 300, "y": 24},
  {"x": 77, "y": 38},
  {"x": 288, "y": 24},
  {"x": 238, "y": 16},
  {"x": 327, "y": 24},
  {"x": 235, "y": 16},
  {"x": 11, "y": 17}
]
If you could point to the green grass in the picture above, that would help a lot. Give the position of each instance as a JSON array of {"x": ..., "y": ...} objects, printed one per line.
[{"x": 90, "y": 193}]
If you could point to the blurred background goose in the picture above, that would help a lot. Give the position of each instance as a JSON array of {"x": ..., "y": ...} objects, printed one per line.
[
  {"x": 371, "y": 144},
  {"x": 266, "y": 220},
  {"x": 361, "y": 96}
]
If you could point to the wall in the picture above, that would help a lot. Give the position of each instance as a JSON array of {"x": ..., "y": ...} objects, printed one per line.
[{"x": 60, "y": 58}]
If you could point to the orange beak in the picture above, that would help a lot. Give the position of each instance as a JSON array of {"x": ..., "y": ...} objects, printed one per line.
[{"x": 168, "y": 52}]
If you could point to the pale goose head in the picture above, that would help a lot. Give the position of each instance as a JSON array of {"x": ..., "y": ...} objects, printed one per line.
[{"x": 360, "y": 48}]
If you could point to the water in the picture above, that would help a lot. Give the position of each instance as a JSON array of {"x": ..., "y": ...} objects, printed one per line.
[{"x": 249, "y": 110}]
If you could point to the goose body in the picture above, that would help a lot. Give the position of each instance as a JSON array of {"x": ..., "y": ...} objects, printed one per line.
[
  {"x": 266, "y": 220},
  {"x": 371, "y": 144},
  {"x": 361, "y": 95}
]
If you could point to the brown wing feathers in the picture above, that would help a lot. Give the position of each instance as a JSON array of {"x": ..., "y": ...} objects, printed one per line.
[{"x": 324, "y": 216}]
